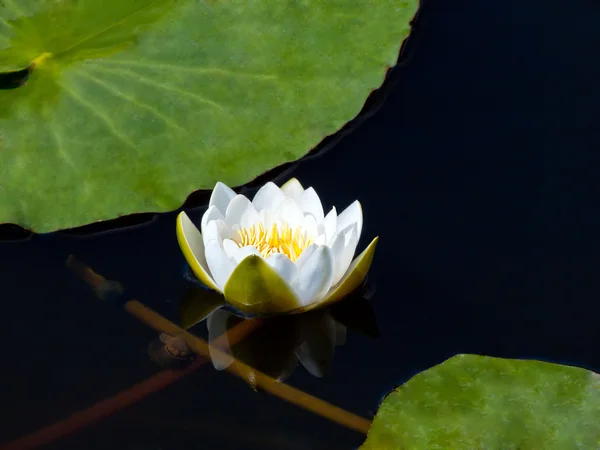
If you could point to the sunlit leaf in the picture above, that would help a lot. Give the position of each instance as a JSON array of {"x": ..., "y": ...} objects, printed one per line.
[
  {"x": 133, "y": 104},
  {"x": 476, "y": 402}
]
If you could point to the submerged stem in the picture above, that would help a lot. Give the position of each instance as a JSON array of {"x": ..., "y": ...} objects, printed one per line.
[
  {"x": 260, "y": 380},
  {"x": 162, "y": 379},
  {"x": 125, "y": 398},
  {"x": 239, "y": 369}
]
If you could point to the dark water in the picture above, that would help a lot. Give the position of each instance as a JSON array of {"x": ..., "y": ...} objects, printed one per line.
[{"x": 480, "y": 174}]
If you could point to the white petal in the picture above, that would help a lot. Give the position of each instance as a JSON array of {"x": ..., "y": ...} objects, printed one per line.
[
  {"x": 310, "y": 226},
  {"x": 289, "y": 212},
  {"x": 339, "y": 243},
  {"x": 354, "y": 275},
  {"x": 306, "y": 253},
  {"x": 343, "y": 249},
  {"x": 315, "y": 275},
  {"x": 236, "y": 209},
  {"x": 330, "y": 226},
  {"x": 237, "y": 254},
  {"x": 221, "y": 196},
  {"x": 219, "y": 348},
  {"x": 286, "y": 269},
  {"x": 219, "y": 264},
  {"x": 321, "y": 240},
  {"x": 212, "y": 213},
  {"x": 216, "y": 230},
  {"x": 268, "y": 197},
  {"x": 231, "y": 250},
  {"x": 311, "y": 204},
  {"x": 249, "y": 217},
  {"x": 247, "y": 251},
  {"x": 292, "y": 188},
  {"x": 352, "y": 214},
  {"x": 267, "y": 218}
]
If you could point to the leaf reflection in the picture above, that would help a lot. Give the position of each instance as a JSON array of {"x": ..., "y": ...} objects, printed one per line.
[{"x": 197, "y": 304}]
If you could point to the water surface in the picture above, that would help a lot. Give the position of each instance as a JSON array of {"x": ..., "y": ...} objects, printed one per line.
[{"x": 480, "y": 175}]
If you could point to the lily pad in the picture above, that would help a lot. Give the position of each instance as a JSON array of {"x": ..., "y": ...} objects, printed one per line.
[
  {"x": 131, "y": 105},
  {"x": 476, "y": 402}
]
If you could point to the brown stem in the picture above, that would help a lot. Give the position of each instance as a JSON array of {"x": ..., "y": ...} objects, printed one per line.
[
  {"x": 245, "y": 372},
  {"x": 162, "y": 379},
  {"x": 123, "y": 399}
]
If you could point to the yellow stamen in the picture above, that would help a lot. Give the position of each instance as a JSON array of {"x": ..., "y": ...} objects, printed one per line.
[{"x": 279, "y": 239}]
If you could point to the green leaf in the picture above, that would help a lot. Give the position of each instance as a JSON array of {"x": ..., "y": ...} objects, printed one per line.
[
  {"x": 133, "y": 104},
  {"x": 476, "y": 402},
  {"x": 197, "y": 304}
]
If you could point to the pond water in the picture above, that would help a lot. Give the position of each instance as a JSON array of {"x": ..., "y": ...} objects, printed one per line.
[{"x": 480, "y": 175}]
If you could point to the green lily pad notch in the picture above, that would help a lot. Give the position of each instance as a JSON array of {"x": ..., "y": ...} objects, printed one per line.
[
  {"x": 472, "y": 402},
  {"x": 138, "y": 103}
]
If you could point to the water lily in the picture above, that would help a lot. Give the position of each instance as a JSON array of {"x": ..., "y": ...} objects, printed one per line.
[{"x": 278, "y": 253}]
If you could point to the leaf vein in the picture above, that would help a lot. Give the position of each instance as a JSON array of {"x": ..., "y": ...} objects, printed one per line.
[
  {"x": 125, "y": 72},
  {"x": 109, "y": 87},
  {"x": 199, "y": 70},
  {"x": 59, "y": 145},
  {"x": 75, "y": 96},
  {"x": 108, "y": 28}
]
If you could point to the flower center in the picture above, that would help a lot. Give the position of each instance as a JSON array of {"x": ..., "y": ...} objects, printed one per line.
[{"x": 279, "y": 239}]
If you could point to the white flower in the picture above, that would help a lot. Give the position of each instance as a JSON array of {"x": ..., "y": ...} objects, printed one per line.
[{"x": 278, "y": 253}]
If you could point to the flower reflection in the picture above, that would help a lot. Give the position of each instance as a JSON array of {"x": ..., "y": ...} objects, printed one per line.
[{"x": 281, "y": 343}]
